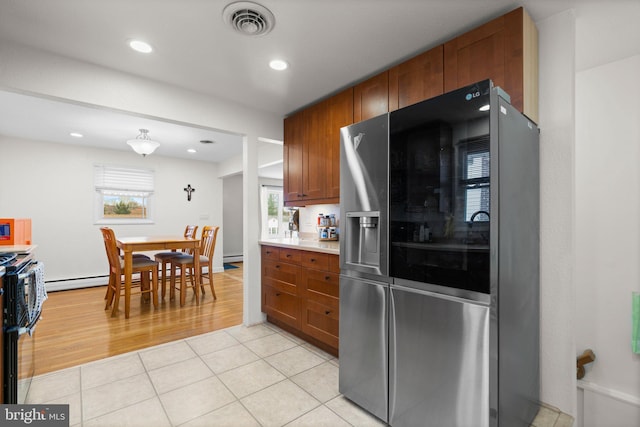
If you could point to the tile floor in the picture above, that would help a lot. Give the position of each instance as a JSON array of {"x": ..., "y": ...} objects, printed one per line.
[{"x": 258, "y": 376}]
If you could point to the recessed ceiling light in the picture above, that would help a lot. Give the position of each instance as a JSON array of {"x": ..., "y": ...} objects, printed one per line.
[
  {"x": 191, "y": 150},
  {"x": 140, "y": 46},
  {"x": 278, "y": 64},
  {"x": 76, "y": 135},
  {"x": 485, "y": 107}
]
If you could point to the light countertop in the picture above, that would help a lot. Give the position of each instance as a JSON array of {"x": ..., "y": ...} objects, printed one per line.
[
  {"x": 21, "y": 249},
  {"x": 305, "y": 244}
]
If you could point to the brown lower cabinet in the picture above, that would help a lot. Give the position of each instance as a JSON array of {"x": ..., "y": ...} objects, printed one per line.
[{"x": 300, "y": 293}]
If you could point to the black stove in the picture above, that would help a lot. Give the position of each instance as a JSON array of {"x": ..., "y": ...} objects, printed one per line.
[
  {"x": 14, "y": 261},
  {"x": 7, "y": 258}
]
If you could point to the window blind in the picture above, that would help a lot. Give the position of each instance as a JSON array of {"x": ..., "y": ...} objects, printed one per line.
[{"x": 115, "y": 179}]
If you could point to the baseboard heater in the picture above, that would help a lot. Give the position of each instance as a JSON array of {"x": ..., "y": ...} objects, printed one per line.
[{"x": 91, "y": 281}]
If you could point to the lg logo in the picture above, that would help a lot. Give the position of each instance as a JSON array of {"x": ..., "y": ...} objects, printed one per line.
[{"x": 472, "y": 95}]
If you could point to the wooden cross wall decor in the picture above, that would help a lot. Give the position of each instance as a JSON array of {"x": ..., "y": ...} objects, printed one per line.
[{"x": 189, "y": 190}]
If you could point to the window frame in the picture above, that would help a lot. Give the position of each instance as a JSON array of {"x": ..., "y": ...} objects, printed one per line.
[{"x": 110, "y": 180}]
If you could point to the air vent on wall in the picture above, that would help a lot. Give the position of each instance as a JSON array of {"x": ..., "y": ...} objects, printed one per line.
[{"x": 248, "y": 18}]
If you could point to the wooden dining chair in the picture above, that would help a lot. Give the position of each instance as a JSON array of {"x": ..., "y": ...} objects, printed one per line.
[
  {"x": 135, "y": 256},
  {"x": 186, "y": 264},
  {"x": 147, "y": 268},
  {"x": 164, "y": 257}
]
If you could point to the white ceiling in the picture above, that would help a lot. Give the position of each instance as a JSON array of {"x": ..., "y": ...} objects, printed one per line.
[{"x": 329, "y": 44}]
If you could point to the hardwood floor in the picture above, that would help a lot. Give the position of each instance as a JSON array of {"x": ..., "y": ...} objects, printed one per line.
[{"x": 75, "y": 328}]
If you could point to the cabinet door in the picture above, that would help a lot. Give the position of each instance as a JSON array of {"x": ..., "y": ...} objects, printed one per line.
[
  {"x": 492, "y": 51},
  {"x": 320, "y": 306},
  {"x": 281, "y": 305},
  {"x": 340, "y": 114},
  {"x": 371, "y": 97},
  {"x": 417, "y": 79},
  {"x": 315, "y": 152},
  {"x": 292, "y": 156}
]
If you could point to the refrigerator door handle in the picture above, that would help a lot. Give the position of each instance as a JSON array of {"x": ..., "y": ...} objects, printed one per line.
[{"x": 392, "y": 357}]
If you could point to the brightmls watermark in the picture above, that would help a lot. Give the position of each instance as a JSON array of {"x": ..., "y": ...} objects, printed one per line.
[{"x": 34, "y": 415}]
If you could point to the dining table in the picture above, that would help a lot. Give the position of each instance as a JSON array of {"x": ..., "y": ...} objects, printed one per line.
[{"x": 129, "y": 245}]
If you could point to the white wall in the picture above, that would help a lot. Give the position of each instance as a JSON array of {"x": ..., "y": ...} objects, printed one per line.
[
  {"x": 53, "y": 185},
  {"x": 557, "y": 74},
  {"x": 232, "y": 215},
  {"x": 607, "y": 227}
]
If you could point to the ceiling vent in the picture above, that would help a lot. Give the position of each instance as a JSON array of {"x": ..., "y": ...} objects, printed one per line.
[{"x": 248, "y": 18}]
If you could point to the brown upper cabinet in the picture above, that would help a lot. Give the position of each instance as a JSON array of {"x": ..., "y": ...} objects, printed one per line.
[
  {"x": 371, "y": 97},
  {"x": 504, "y": 50},
  {"x": 419, "y": 78},
  {"x": 341, "y": 114},
  {"x": 312, "y": 151}
]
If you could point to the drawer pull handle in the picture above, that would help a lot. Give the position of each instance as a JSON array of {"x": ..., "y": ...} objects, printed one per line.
[
  {"x": 288, "y": 255},
  {"x": 327, "y": 277},
  {"x": 277, "y": 265},
  {"x": 277, "y": 294},
  {"x": 268, "y": 252},
  {"x": 327, "y": 312},
  {"x": 313, "y": 260}
]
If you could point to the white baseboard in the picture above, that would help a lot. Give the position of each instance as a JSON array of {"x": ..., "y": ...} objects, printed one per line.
[
  {"x": 233, "y": 258},
  {"x": 86, "y": 282},
  {"x": 609, "y": 392},
  {"x": 89, "y": 282}
]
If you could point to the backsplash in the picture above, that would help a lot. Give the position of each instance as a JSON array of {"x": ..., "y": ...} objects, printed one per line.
[{"x": 309, "y": 216}]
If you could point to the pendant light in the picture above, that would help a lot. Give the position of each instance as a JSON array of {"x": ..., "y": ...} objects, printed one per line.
[{"x": 143, "y": 144}]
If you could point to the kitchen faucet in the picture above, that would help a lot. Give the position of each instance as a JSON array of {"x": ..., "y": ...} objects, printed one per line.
[{"x": 475, "y": 214}]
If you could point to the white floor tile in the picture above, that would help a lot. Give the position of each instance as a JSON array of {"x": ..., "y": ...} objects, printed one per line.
[
  {"x": 192, "y": 401},
  {"x": 321, "y": 381},
  {"x": 243, "y": 333},
  {"x": 45, "y": 388},
  {"x": 75, "y": 407},
  {"x": 214, "y": 341},
  {"x": 119, "y": 394},
  {"x": 166, "y": 354},
  {"x": 142, "y": 414},
  {"x": 270, "y": 344},
  {"x": 232, "y": 415},
  {"x": 319, "y": 417},
  {"x": 294, "y": 360},
  {"x": 279, "y": 404},
  {"x": 111, "y": 369},
  {"x": 250, "y": 378},
  {"x": 352, "y": 413},
  {"x": 179, "y": 374},
  {"x": 229, "y": 358}
]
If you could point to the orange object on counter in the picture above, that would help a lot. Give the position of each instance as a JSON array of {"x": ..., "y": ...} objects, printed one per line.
[{"x": 15, "y": 231}]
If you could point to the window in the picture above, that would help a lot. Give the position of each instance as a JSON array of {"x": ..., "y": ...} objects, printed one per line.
[
  {"x": 275, "y": 217},
  {"x": 123, "y": 195},
  {"x": 476, "y": 162}
]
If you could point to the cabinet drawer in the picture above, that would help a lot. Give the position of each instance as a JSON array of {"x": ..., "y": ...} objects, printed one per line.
[
  {"x": 270, "y": 252},
  {"x": 334, "y": 264},
  {"x": 281, "y": 276},
  {"x": 322, "y": 286},
  {"x": 317, "y": 260},
  {"x": 320, "y": 322},
  {"x": 281, "y": 305},
  {"x": 289, "y": 255}
]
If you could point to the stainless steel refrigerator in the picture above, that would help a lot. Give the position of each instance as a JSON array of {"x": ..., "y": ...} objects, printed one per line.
[
  {"x": 364, "y": 269},
  {"x": 451, "y": 314}
]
